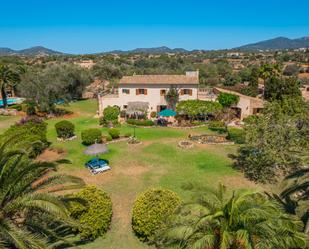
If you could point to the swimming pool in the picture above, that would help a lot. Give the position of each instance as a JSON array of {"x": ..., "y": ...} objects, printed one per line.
[{"x": 11, "y": 101}]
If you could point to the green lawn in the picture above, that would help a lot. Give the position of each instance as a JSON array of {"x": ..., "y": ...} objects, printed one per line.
[
  {"x": 158, "y": 162},
  {"x": 7, "y": 121}
]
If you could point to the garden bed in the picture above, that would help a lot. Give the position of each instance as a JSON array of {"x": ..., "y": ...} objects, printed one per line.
[
  {"x": 134, "y": 141},
  {"x": 210, "y": 139},
  {"x": 185, "y": 144},
  {"x": 121, "y": 139},
  {"x": 60, "y": 139},
  {"x": 187, "y": 127}
]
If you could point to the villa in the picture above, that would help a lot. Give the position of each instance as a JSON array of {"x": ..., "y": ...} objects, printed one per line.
[
  {"x": 151, "y": 89},
  {"x": 246, "y": 105}
]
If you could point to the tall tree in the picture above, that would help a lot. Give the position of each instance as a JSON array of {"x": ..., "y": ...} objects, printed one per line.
[
  {"x": 277, "y": 88},
  {"x": 254, "y": 81},
  {"x": 268, "y": 71},
  {"x": 244, "y": 220},
  {"x": 31, "y": 215},
  {"x": 57, "y": 82},
  {"x": 8, "y": 78},
  {"x": 277, "y": 142}
]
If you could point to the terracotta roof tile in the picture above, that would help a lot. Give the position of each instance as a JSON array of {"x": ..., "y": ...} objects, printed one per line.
[{"x": 159, "y": 79}]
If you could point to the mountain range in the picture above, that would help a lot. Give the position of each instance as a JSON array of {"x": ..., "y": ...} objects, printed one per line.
[
  {"x": 38, "y": 50},
  {"x": 278, "y": 43},
  {"x": 155, "y": 50}
]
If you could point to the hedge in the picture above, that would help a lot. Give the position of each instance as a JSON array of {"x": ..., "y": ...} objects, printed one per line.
[
  {"x": 65, "y": 129},
  {"x": 236, "y": 135},
  {"x": 114, "y": 133},
  {"x": 139, "y": 122},
  {"x": 95, "y": 215},
  {"x": 217, "y": 126},
  {"x": 91, "y": 136},
  {"x": 151, "y": 210}
]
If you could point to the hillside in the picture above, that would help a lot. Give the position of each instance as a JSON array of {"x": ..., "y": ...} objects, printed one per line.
[
  {"x": 278, "y": 43},
  {"x": 38, "y": 50},
  {"x": 155, "y": 50}
]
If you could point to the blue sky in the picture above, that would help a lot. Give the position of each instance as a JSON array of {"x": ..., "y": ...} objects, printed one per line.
[{"x": 91, "y": 26}]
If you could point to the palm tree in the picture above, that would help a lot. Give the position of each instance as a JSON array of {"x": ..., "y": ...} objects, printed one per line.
[
  {"x": 267, "y": 71},
  {"x": 295, "y": 195},
  {"x": 7, "y": 78},
  {"x": 246, "y": 220},
  {"x": 32, "y": 215}
]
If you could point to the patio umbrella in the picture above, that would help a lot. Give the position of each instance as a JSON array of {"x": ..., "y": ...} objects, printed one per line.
[
  {"x": 167, "y": 113},
  {"x": 96, "y": 149}
]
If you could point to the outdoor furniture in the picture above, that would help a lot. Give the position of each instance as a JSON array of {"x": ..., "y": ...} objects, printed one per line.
[
  {"x": 96, "y": 162},
  {"x": 162, "y": 122},
  {"x": 97, "y": 165}
]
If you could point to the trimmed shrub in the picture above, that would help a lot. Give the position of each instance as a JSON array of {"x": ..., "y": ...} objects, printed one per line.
[
  {"x": 65, "y": 129},
  {"x": 91, "y": 136},
  {"x": 139, "y": 122},
  {"x": 94, "y": 215},
  {"x": 110, "y": 115},
  {"x": 153, "y": 114},
  {"x": 151, "y": 210},
  {"x": 106, "y": 138},
  {"x": 236, "y": 135},
  {"x": 217, "y": 126},
  {"x": 110, "y": 123},
  {"x": 114, "y": 133}
]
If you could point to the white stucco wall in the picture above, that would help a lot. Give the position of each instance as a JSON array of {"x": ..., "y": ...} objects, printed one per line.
[
  {"x": 244, "y": 105},
  {"x": 153, "y": 96}
]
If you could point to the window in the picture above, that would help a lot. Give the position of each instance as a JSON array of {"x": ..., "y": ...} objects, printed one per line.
[
  {"x": 126, "y": 91},
  {"x": 141, "y": 91},
  {"x": 125, "y": 106},
  {"x": 162, "y": 92},
  {"x": 186, "y": 92}
]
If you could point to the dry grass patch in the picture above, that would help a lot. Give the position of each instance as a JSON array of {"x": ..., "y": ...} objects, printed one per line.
[{"x": 49, "y": 156}]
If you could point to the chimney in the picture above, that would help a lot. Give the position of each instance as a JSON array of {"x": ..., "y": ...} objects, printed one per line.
[{"x": 192, "y": 73}]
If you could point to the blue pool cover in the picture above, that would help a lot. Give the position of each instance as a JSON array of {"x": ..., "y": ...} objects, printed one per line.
[{"x": 11, "y": 101}]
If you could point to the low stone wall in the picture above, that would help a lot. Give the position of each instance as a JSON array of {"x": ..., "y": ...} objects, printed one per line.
[{"x": 66, "y": 139}]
